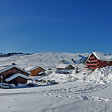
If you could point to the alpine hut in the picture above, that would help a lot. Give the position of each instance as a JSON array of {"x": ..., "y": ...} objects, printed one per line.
[
  {"x": 65, "y": 67},
  {"x": 98, "y": 60},
  {"x": 36, "y": 71},
  {"x": 13, "y": 75}
]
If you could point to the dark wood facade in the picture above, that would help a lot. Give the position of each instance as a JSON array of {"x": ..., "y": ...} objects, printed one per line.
[
  {"x": 11, "y": 71},
  {"x": 18, "y": 80},
  {"x": 36, "y": 71},
  {"x": 93, "y": 63}
]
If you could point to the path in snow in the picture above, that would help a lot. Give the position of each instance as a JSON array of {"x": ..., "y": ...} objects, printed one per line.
[
  {"x": 78, "y": 92},
  {"x": 60, "y": 98}
]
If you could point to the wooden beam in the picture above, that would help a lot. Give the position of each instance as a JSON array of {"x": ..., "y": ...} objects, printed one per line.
[
  {"x": 93, "y": 61},
  {"x": 92, "y": 64},
  {"x": 92, "y": 58}
]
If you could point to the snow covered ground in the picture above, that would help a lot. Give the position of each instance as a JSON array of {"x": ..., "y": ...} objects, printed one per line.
[
  {"x": 46, "y": 60},
  {"x": 82, "y": 91},
  {"x": 73, "y": 97}
]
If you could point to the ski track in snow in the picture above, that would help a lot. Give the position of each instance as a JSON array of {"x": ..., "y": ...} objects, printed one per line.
[
  {"x": 74, "y": 93},
  {"x": 78, "y": 93}
]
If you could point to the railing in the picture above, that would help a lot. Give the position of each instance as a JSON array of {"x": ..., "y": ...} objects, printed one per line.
[{"x": 92, "y": 64}]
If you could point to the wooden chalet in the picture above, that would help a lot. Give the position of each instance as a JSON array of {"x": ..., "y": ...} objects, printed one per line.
[
  {"x": 65, "y": 67},
  {"x": 36, "y": 71},
  {"x": 98, "y": 60},
  {"x": 13, "y": 75}
]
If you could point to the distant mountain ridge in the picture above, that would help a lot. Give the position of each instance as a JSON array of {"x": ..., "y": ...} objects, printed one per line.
[{"x": 13, "y": 53}]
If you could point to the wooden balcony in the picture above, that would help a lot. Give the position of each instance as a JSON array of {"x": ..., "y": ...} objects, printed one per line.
[
  {"x": 92, "y": 61},
  {"x": 91, "y": 64},
  {"x": 93, "y": 68},
  {"x": 91, "y": 58}
]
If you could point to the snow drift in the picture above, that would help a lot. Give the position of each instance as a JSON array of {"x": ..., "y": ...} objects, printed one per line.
[
  {"x": 98, "y": 76},
  {"x": 101, "y": 75}
]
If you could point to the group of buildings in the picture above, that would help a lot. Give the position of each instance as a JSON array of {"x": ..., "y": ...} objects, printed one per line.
[{"x": 14, "y": 75}]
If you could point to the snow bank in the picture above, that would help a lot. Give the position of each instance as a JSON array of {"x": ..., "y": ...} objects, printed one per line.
[
  {"x": 101, "y": 75},
  {"x": 72, "y": 75},
  {"x": 61, "y": 78}
]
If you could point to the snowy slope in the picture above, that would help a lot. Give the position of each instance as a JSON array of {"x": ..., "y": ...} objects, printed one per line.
[
  {"x": 67, "y": 97},
  {"x": 46, "y": 60}
]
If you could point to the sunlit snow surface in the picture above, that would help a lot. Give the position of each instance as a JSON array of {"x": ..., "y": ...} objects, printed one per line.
[
  {"x": 46, "y": 60},
  {"x": 72, "y": 97}
]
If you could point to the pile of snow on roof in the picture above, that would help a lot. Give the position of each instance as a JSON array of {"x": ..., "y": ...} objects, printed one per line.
[
  {"x": 62, "y": 65},
  {"x": 103, "y": 56},
  {"x": 15, "y": 76}
]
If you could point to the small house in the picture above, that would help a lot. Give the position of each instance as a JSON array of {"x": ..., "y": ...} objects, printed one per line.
[
  {"x": 98, "y": 60},
  {"x": 65, "y": 67},
  {"x": 13, "y": 75},
  {"x": 62, "y": 71},
  {"x": 17, "y": 79},
  {"x": 36, "y": 71}
]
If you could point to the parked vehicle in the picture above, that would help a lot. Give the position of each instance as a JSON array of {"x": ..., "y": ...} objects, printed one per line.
[{"x": 6, "y": 86}]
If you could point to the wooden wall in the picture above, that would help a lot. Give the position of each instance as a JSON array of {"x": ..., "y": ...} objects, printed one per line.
[
  {"x": 94, "y": 63},
  {"x": 12, "y": 71},
  {"x": 36, "y": 71}
]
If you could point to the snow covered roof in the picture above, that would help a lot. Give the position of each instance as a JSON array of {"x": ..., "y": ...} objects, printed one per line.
[
  {"x": 12, "y": 66},
  {"x": 63, "y": 65},
  {"x": 30, "y": 68},
  {"x": 62, "y": 72},
  {"x": 15, "y": 76},
  {"x": 102, "y": 56},
  {"x": 41, "y": 72}
]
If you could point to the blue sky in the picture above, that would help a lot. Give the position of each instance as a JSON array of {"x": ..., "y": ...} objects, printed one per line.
[{"x": 55, "y": 25}]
